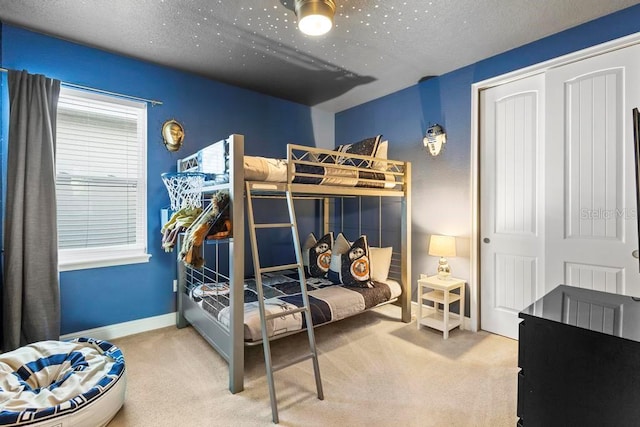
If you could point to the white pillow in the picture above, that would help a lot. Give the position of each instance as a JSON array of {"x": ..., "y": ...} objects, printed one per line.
[
  {"x": 340, "y": 246},
  {"x": 308, "y": 244},
  {"x": 380, "y": 263},
  {"x": 381, "y": 153}
]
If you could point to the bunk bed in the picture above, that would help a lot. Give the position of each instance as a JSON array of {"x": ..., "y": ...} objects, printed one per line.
[{"x": 216, "y": 298}]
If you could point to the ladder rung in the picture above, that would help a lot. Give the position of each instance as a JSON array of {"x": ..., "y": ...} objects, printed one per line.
[
  {"x": 275, "y": 225},
  {"x": 292, "y": 362},
  {"x": 268, "y": 196},
  {"x": 279, "y": 268},
  {"x": 285, "y": 313}
]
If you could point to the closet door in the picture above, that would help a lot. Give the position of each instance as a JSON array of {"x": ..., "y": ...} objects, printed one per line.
[
  {"x": 511, "y": 202},
  {"x": 590, "y": 180}
]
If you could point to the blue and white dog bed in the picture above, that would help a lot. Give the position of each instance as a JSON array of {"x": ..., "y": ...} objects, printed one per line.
[{"x": 62, "y": 384}]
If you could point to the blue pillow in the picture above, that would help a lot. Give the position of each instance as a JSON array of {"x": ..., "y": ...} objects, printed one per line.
[
  {"x": 366, "y": 147},
  {"x": 350, "y": 264}
]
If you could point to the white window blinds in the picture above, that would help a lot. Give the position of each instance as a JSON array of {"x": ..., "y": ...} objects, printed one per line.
[{"x": 100, "y": 177}]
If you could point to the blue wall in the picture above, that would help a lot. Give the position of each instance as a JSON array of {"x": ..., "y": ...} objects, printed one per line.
[
  {"x": 209, "y": 111},
  {"x": 441, "y": 185}
]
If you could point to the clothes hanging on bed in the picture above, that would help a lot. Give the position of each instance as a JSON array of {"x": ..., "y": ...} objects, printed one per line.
[
  {"x": 179, "y": 221},
  {"x": 214, "y": 223}
]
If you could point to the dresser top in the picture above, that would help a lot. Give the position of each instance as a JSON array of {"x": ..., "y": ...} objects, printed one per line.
[{"x": 598, "y": 311}]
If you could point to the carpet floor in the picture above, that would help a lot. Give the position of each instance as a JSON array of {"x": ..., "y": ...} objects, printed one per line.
[{"x": 376, "y": 371}]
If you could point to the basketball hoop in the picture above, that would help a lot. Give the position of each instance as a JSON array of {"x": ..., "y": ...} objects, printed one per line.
[{"x": 184, "y": 189}]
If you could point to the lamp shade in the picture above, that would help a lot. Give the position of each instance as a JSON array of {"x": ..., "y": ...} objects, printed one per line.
[
  {"x": 315, "y": 17},
  {"x": 442, "y": 246}
]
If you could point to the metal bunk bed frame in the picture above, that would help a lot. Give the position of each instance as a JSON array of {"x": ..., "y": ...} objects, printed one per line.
[{"x": 229, "y": 343}]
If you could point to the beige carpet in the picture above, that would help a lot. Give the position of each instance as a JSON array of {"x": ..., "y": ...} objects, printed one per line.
[{"x": 376, "y": 371}]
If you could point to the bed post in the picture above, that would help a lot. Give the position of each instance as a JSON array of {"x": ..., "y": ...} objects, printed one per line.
[
  {"x": 326, "y": 212},
  {"x": 181, "y": 322},
  {"x": 236, "y": 263},
  {"x": 406, "y": 246}
]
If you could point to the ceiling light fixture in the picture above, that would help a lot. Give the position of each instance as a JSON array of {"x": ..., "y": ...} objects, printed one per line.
[{"x": 315, "y": 17}]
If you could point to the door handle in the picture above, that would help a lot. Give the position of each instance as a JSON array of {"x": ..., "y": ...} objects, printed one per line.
[
  {"x": 486, "y": 240},
  {"x": 635, "y": 254}
]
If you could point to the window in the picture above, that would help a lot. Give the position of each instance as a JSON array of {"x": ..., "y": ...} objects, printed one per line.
[{"x": 100, "y": 180}]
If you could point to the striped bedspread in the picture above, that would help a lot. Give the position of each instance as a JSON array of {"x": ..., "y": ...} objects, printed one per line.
[{"x": 328, "y": 301}]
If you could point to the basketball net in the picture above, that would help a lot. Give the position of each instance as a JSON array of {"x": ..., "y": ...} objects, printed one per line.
[{"x": 184, "y": 189}]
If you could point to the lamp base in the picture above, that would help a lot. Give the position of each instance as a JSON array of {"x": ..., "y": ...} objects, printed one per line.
[{"x": 444, "y": 271}]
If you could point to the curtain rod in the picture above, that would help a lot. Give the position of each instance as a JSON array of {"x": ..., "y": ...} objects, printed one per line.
[{"x": 153, "y": 102}]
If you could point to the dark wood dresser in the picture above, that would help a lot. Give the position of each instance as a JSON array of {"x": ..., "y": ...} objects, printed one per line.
[{"x": 579, "y": 359}]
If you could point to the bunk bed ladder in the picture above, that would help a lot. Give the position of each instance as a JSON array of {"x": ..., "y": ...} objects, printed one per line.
[{"x": 306, "y": 309}]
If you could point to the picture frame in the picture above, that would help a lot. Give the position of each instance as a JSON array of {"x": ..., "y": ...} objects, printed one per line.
[{"x": 172, "y": 135}]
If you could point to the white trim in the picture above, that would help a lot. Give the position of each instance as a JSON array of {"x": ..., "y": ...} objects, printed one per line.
[
  {"x": 474, "y": 253},
  {"x": 474, "y": 258},
  {"x": 83, "y": 264},
  {"x": 120, "y": 330}
]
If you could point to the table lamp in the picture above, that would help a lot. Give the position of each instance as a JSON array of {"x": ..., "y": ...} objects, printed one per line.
[{"x": 442, "y": 246}]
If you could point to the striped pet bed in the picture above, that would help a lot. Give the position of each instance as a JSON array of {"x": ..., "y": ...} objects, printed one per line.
[{"x": 62, "y": 384}]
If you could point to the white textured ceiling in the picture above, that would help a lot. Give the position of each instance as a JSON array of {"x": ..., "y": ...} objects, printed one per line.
[{"x": 375, "y": 48}]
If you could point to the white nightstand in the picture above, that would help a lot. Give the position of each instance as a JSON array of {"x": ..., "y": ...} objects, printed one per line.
[{"x": 439, "y": 292}]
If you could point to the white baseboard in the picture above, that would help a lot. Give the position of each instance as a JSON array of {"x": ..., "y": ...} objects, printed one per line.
[
  {"x": 466, "y": 322},
  {"x": 120, "y": 330}
]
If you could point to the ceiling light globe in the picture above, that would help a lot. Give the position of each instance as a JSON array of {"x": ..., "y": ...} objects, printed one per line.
[
  {"x": 315, "y": 17},
  {"x": 315, "y": 25}
]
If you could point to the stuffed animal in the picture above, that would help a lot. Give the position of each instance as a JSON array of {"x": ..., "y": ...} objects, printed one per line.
[{"x": 221, "y": 226}]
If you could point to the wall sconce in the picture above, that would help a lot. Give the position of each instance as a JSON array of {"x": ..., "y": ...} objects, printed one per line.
[
  {"x": 315, "y": 17},
  {"x": 442, "y": 246},
  {"x": 435, "y": 139}
]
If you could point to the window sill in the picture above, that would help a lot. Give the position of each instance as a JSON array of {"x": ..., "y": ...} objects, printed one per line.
[{"x": 99, "y": 262}]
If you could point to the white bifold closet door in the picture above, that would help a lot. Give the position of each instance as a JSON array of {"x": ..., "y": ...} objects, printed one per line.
[
  {"x": 511, "y": 201},
  {"x": 591, "y": 191},
  {"x": 558, "y": 203}
]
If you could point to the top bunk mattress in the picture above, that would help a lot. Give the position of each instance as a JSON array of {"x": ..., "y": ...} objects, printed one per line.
[{"x": 265, "y": 169}]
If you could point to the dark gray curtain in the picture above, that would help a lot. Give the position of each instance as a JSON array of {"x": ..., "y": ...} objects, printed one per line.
[{"x": 30, "y": 294}]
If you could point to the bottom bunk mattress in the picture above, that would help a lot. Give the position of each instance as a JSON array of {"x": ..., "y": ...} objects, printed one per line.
[{"x": 328, "y": 301}]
